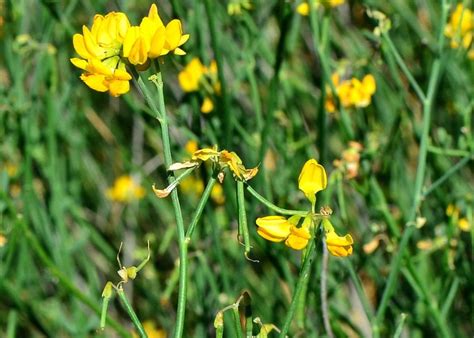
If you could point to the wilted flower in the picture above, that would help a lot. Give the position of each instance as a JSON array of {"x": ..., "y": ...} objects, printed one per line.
[
  {"x": 350, "y": 160},
  {"x": 125, "y": 190}
]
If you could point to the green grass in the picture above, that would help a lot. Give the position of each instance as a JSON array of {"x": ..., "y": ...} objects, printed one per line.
[{"x": 69, "y": 143}]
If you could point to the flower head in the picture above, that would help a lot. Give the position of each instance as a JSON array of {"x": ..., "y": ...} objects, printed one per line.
[
  {"x": 125, "y": 190},
  {"x": 352, "y": 93},
  {"x": 312, "y": 179},
  {"x": 460, "y": 27},
  {"x": 340, "y": 246}
]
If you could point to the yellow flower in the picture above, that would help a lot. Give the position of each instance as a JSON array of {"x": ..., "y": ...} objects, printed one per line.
[
  {"x": 152, "y": 39},
  {"x": 273, "y": 228},
  {"x": 191, "y": 147},
  {"x": 351, "y": 93},
  {"x": 99, "y": 49},
  {"x": 460, "y": 27},
  {"x": 107, "y": 75},
  {"x": 195, "y": 75},
  {"x": 3, "y": 240},
  {"x": 105, "y": 37},
  {"x": 312, "y": 179},
  {"x": 298, "y": 238},
  {"x": 337, "y": 246},
  {"x": 125, "y": 190},
  {"x": 190, "y": 76},
  {"x": 191, "y": 185},
  {"x": 217, "y": 194},
  {"x": 464, "y": 225},
  {"x": 303, "y": 8}
]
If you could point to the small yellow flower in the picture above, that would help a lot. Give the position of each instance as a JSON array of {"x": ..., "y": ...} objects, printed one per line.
[
  {"x": 303, "y": 8},
  {"x": 125, "y": 190},
  {"x": 217, "y": 194},
  {"x": 312, "y": 179},
  {"x": 464, "y": 225},
  {"x": 351, "y": 93},
  {"x": 190, "y": 76},
  {"x": 207, "y": 105},
  {"x": 3, "y": 240},
  {"x": 460, "y": 28},
  {"x": 191, "y": 147},
  {"x": 339, "y": 246},
  {"x": 298, "y": 238}
]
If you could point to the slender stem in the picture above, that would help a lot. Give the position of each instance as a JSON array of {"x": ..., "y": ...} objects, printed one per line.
[
  {"x": 447, "y": 174},
  {"x": 183, "y": 248},
  {"x": 399, "y": 329},
  {"x": 273, "y": 206},
  {"x": 420, "y": 175},
  {"x": 324, "y": 291},
  {"x": 304, "y": 275},
  {"x": 369, "y": 311},
  {"x": 403, "y": 66},
  {"x": 236, "y": 316},
  {"x": 131, "y": 313},
  {"x": 12, "y": 323},
  {"x": 200, "y": 208},
  {"x": 449, "y": 152},
  {"x": 450, "y": 298},
  {"x": 243, "y": 216}
]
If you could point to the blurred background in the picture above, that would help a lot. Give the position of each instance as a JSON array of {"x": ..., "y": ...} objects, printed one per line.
[{"x": 77, "y": 166}]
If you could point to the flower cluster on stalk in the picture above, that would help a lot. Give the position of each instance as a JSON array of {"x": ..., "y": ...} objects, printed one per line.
[
  {"x": 112, "y": 44},
  {"x": 460, "y": 29},
  {"x": 298, "y": 230}
]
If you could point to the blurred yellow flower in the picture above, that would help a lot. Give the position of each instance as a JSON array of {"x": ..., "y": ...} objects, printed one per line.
[
  {"x": 195, "y": 76},
  {"x": 191, "y": 146},
  {"x": 125, "y": 190},
  {"x": 235, "y": 7},
  {"x": 3, "y": 240},
  {"x": 303, "y": 8},
  {"x": 460, "y": 27},
  {"x": 464, "y": 225},
  {"x": 351, "y": 93}
]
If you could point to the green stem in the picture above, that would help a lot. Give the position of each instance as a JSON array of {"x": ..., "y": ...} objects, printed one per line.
[
  {"x": 304, "y": 275},
  {"x": 399, "y": 329},
  {"x": 420, "y": 175},
  {"x": 243, "y": 217},
  {"x": 236, "y": 316},
  {"x": 447, "y": 175},
  {"x": 131, "y": 313},
  {"x": 200, "y": 208},
  {"x": 324, "y": 291},
  {"x": 448, "y": 152},
  {"x": 12, "y": 323},
  {"x": 403, "y": 66},
  {"x": 183, "y": 247},
  {"x": 273, "y": 206}
]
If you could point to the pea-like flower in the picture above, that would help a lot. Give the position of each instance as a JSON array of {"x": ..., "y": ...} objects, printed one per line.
[
  {"x": 112, "y": 44},
  {"x": 275, "y": 228},
  {"x": 460, "y": 29}
]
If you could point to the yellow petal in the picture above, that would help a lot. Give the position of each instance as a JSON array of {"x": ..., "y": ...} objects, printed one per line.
[
  {"x": 369, "y": 85},
  {"x": 80, "y": 47},
  {"x": 95, "y": 81},
  {"x": 339, "y": 246},
  {"x": 132, "y": 35},
  {"x": 273, "y": 228},
  {"x": 298, "y": 238},
  {"x": 303, "y": 9},
  {"x": 157, "y": 43},
  {"x": 173, "y": 34},
  {"x": 139, "y": 52},
  {"x": 205, "y": 154},
  {"x": 312, "y": 179},
  {"x": 118, "y": 87},
  {"x": 79, "y": 63}
]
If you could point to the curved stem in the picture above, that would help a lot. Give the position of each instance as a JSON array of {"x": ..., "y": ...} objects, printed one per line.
[
  {"x": 200, "y": 208},
  {"x": 273, "y": 206}
]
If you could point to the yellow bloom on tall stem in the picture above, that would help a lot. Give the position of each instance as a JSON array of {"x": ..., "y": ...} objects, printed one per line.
[
  {"x": 312, "y": 179},
  {"x": 351, "y": 93}
]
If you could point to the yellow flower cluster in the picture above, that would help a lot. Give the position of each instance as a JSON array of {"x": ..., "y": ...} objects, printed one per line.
[
  {"x": 462, "y": 222},
  {"x": 112, "y": 43},
  {"x": 195, "y": 75},
  {"x": 303, "y": 8},
  {"x": 351, "y": 93},
  {"x": 460, "y": 29},
  {"x": 311, "y": 180},
  {"x": 125, "y": 190}
]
